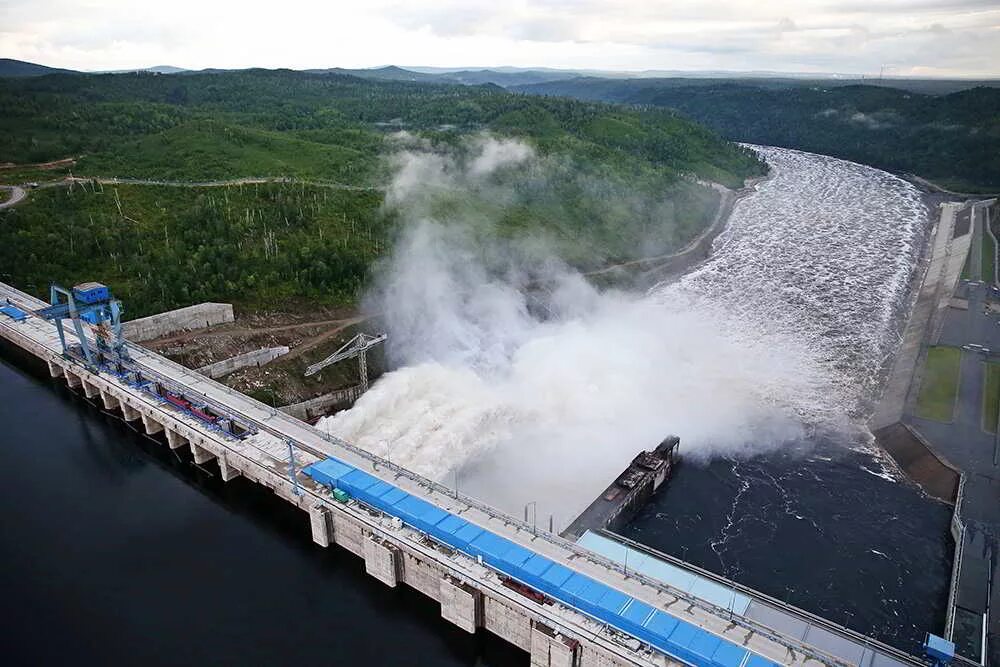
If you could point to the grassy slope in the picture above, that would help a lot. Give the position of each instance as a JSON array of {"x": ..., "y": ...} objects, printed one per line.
[{"x": 940, "y": 384}]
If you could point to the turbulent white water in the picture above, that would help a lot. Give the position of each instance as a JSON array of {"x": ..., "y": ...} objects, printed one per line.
[{"x": 785, "y": 328}]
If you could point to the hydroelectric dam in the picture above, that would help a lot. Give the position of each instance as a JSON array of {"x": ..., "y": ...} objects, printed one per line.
[{"x": 564, "y": 603}]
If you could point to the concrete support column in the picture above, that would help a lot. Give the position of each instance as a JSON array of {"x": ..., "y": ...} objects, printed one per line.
[
  {"x": 110, "y": 402},
  {"x": 201, "y": 455},
  {"x": 228, "y": 472},
  {"x": 550, "y": 649},
  {"x": 175, "y": 439},
  {"x": 55, "y": 370},
  {"x": 72, "y": 379},
  {"x": 89, "y": 390},
  {"x": 507, "y": 623},
  {"x": 461, "y": 604},
  {"x": 152, "y": 426},
  {"x": 320, "y": 522},
  {"x": 347, "y": 533},
  {"x": 131, "y": 414},
  {"x": 382, "y": 560}
]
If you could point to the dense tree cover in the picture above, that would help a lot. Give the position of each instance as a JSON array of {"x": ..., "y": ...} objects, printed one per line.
[
  {"x": 114, "y": 119},
  {"x": 609, "y": 184},
  {"x": 951, "y": 139},
  {"x": 159, "y": 247}
]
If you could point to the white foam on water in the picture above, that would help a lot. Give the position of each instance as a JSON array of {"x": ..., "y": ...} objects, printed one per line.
[{"x": 785, "y": 329}]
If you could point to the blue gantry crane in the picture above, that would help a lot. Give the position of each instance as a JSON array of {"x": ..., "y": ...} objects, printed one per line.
[{"x": 87, "y": 302}]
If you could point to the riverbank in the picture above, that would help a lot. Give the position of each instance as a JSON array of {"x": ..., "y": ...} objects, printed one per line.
[{"x": 649, "y": 271}]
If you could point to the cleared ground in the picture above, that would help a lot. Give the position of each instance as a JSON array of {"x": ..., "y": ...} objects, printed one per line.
[{"x": 940, "y": 383}]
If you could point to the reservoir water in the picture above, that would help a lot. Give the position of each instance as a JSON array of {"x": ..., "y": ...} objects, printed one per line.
[{"x": 114, "y": 552}]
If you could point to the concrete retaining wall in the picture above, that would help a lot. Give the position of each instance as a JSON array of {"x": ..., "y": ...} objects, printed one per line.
[
  {"x": 254, "y": 358},
  {"x": 321, "y": 405},
  {"x": 198, "y": 316}
]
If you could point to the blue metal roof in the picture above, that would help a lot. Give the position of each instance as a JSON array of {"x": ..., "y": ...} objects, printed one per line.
[
  {"x": 658, "y": 628},
  {"x": 14, "y": 313}
]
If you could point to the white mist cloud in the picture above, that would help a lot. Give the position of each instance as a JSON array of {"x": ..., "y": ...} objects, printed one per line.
[{"x": 544, "y": 394}]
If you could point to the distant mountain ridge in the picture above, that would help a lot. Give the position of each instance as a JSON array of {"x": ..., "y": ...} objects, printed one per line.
[
  {"x": 515, "y": 78},
  {"x": 16, "y": 69}
]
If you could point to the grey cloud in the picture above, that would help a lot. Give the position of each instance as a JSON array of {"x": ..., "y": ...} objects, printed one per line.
[{"x": 909, "y": 6}]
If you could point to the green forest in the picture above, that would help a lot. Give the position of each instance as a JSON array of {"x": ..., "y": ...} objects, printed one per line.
[
  {"x": 619, "y": 183},
  {"x": 951, "y": 139}
]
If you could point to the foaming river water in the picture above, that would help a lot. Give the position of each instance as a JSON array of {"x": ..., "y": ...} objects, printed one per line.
[
  {"x": 765, "y": 360},
  {"x": 824, "y": 251}
]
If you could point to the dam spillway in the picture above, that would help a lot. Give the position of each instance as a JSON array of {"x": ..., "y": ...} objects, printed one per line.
[{"x": 471, "y": 558}]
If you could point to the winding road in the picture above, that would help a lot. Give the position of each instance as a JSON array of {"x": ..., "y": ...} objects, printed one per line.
[{"x": 16, "y": 195}]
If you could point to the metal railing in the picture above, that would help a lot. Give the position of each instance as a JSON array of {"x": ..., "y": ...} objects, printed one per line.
[{"x": 958, "y": 535}]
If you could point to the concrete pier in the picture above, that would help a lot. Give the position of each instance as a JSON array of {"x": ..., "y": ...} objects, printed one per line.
[
  {"x": 461, "y": 604},
  {"x": 382, "y": 560},
  {"x": 109, "y": 401},
  {"x": 151, "y": 425}
]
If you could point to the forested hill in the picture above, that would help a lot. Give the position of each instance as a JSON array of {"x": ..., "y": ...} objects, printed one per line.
[
  {"x": 52, "y": 117},
  {"x": 609, "y": 183},
  {"x": 950, "y": 139}
]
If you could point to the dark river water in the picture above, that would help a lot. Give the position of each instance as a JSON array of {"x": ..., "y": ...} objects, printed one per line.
[
  {"x": 114, "y": 552},
  {"x": 820, "y": 531}
]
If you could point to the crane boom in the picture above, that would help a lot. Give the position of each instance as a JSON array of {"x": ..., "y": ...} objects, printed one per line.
[{"x": 356, "y": 347}]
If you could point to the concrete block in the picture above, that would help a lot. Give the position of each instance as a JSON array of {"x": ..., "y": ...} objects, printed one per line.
[
  {"x": 55, "y": 370},
  {"x": 507, "y": 623},
  {"x": 550, "y": 649},
  {"x": 89, "y": 390},
  {"x": 347, "y": 533},
  {"x": 381, "y": 560},
  {"x": 422, "y": 576},
  {"x": 183, "y": 319},
  {"x": 461, "y": 604},
  {"x": 320, "y": 522},
  {"x": 254, "y": 358},
  {"x": 321, "y": 405},
  {"x": 151, "y": 425},
  {"x": 175, "y": 439}
]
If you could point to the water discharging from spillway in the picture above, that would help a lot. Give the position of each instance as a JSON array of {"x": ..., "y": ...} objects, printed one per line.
[{"x": 783, "y": 332}]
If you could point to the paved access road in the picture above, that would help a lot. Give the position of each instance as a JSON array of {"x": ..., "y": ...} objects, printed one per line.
[{"x": 16, "y": 195}]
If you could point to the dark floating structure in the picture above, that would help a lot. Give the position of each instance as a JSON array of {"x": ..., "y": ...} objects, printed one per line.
[{"x": 616, "y": 506}]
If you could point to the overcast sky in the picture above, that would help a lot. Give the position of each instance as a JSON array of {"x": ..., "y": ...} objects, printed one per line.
[{"x": 908, "y": 37}]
